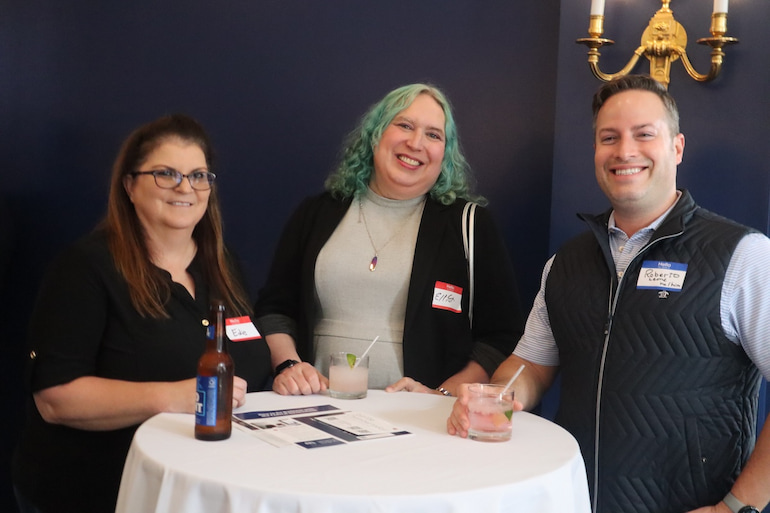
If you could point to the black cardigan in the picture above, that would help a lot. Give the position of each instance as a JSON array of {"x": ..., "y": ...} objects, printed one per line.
[{"x": 437, "y": 343}]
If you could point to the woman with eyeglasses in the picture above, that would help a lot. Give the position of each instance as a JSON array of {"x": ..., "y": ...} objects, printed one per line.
[{"x": 118, "y": 327}]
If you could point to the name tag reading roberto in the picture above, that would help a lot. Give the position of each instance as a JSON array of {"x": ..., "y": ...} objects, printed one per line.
[
  {"x": 239, "y": 329},
  {"x": 662, "y": 276},
  {"x": 447, "y": 297}
]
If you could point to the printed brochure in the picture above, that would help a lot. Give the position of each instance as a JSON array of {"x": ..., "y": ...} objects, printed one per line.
[{"x": 314, "y": 426}]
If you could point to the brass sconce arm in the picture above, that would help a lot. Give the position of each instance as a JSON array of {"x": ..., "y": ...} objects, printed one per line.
[
  {"x": 716, "y": 66},
  {"x": 663, "y": 42},
  {"x": 593, "y": 62}
]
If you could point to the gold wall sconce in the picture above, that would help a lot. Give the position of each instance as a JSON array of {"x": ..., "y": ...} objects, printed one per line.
[{"x": 663, "y": 42}]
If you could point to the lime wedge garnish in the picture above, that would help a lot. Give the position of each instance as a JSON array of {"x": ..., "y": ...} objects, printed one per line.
[
  {"x": 351, "y": 359},
  {"x": 508, "y": 414}
]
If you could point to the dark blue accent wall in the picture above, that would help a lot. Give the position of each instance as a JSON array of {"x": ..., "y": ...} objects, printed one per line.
[{"x": 278, "y": 83}]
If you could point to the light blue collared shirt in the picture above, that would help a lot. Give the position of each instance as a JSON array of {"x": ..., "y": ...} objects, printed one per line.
[{"x": 744, "y": 303}]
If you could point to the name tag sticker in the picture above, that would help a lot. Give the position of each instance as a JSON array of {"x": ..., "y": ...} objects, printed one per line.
[
  {"x": 239, "y": 329},
  {"x": 662, "y": 275},
  {"x": 447, "y": 297}
]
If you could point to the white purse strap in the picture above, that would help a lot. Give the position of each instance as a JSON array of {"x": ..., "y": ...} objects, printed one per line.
[{"x": 469, "y": 222}]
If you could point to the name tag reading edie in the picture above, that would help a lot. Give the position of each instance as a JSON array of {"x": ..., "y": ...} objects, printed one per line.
[{"x": 241, "y": 328}]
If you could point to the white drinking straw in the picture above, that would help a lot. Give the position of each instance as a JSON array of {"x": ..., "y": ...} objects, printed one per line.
[
  {"x": 367, "y": 350},
  {"x": 513, "y": 378}
]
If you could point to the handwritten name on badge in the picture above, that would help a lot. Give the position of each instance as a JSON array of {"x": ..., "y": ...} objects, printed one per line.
[
  {"x": 662, "y": 275},
  {"x": 239, "y": 329},
  {"x": 447, "y": 297}
]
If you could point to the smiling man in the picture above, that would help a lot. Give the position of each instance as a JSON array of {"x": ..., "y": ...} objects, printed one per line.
[
  {"x": 637, "y": 149},
  {"x": 658, "y": 319}
]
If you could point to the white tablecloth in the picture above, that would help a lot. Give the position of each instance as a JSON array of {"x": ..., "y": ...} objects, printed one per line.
[{"x": 539, "y": 470}]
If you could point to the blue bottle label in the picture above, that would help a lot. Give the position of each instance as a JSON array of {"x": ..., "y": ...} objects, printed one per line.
[{"x": 206, "y": 402}]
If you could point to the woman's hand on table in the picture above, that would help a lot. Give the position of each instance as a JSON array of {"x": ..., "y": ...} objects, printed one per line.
[
  {"x": 239, "y": 392},
  {"x": 184, "y": 401},
  {"x": 458, "y": 422},
  {"x": 410, "y": 385},
  {"x": 300, "y": 379}
]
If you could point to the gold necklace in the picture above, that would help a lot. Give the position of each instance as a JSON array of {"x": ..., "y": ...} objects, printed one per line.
[{"x": 373, "y": 262}]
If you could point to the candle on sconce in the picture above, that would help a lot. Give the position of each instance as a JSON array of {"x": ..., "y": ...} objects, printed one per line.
[
  {"x": 720, "y": 6},
  {"x": 597, "y": 7}
]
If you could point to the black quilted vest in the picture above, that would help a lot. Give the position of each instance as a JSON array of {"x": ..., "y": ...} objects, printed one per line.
[{"x": 662, "y": 404}]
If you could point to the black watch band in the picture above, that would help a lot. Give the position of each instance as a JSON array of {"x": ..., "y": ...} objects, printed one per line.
[
  {"x": 284, "y": 365},
  {"x": 736, "y": 506}
]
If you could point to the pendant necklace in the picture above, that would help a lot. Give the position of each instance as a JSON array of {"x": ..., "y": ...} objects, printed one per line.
[{"x": 373, "y": 262}]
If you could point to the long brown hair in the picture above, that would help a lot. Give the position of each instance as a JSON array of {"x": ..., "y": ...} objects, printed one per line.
[{"x": 149, "y": 289}]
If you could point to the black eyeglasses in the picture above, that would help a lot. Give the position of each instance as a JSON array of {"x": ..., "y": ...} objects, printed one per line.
[{"x": 170, "y": 178}]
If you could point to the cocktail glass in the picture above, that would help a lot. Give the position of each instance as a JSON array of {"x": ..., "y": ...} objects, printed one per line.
[
  {"x": 348, "y": 377},
  {"x": 490, "y": 408}
]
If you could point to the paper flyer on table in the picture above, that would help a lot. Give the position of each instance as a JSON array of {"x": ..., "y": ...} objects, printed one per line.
[{"x": 314, "y": 426}]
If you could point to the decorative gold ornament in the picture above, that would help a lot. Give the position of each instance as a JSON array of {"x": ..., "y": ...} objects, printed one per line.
[{"x": 663, "y": 42}]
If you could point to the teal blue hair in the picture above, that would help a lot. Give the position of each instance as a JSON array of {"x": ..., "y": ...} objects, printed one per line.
[{"x": 351, "y": 178}]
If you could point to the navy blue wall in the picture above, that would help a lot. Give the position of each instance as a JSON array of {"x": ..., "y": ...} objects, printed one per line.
[{"x": 278, "y": 83}]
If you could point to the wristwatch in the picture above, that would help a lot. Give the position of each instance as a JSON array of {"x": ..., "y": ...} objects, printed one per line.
[
  {"x": 284, "y": 365},
  {"x": 737, "y": 506}
]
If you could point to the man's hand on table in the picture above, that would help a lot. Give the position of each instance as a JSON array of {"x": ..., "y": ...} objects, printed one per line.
[{"x": 458, "y": 422}]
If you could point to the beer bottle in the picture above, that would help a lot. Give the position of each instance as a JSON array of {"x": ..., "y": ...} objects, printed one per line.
[{"x": 214, "y": 403}]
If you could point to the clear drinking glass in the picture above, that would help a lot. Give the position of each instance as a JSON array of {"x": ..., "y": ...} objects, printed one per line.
[
  {"x": 348, "y": 377},
  {"x": 490, "y": 409}
]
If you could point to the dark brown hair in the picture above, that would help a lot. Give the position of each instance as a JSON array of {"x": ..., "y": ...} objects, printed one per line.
[
  {"x": 637, "y": 83},
  {"x": 149, "y": 289}
]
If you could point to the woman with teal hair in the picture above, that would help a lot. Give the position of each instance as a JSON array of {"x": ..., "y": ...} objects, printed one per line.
[
  {"x": 380, "y": 254},
  {"x": 353, "y": 174}
]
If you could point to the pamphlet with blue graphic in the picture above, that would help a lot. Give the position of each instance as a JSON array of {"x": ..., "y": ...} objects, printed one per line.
[{"x": 314, "y": 426}]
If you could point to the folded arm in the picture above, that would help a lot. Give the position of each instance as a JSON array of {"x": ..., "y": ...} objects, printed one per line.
[{"x": 100, "y": 404}]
